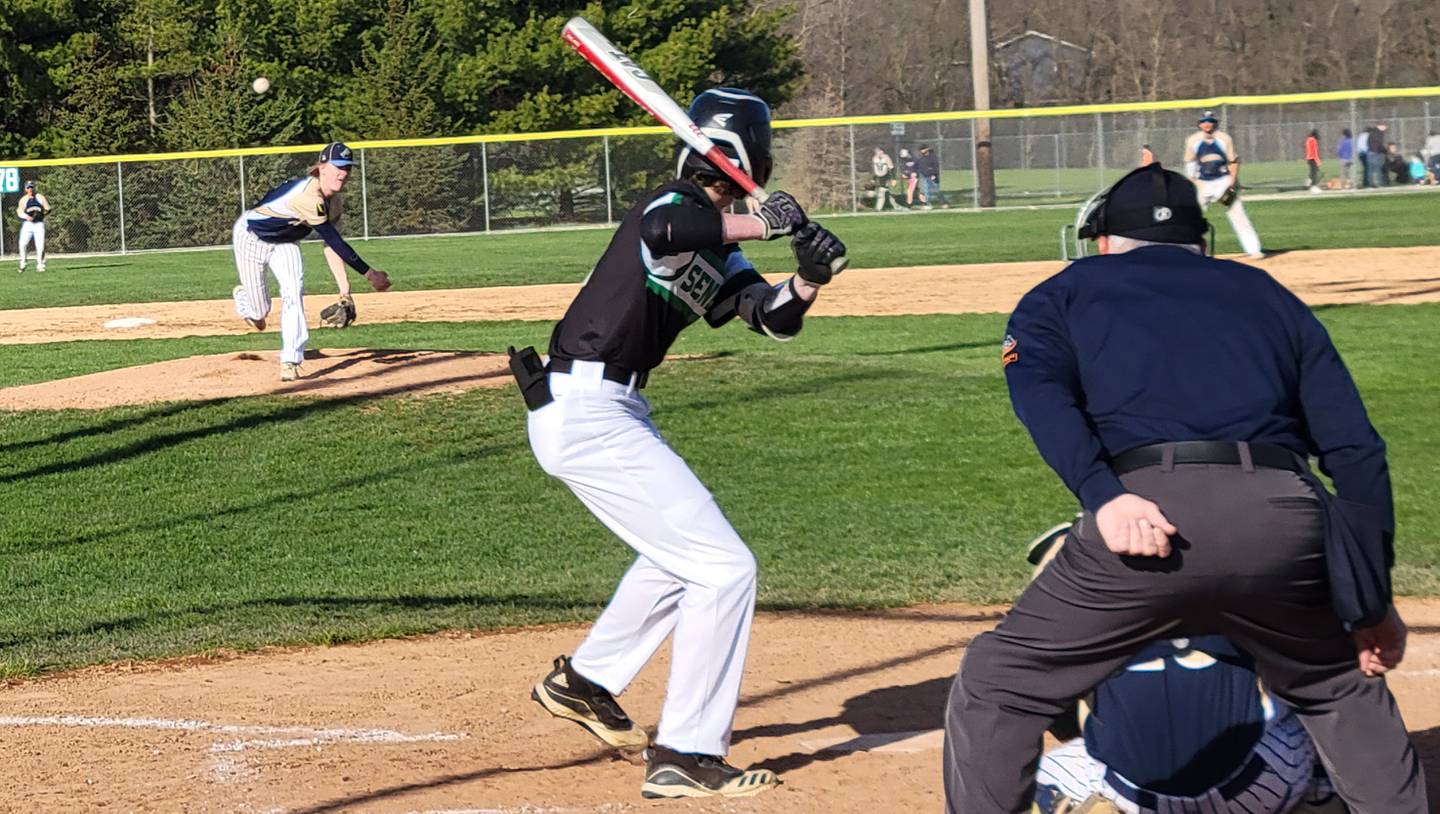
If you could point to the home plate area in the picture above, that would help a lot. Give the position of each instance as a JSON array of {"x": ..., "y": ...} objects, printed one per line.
[{"x": 845, "y": 707}]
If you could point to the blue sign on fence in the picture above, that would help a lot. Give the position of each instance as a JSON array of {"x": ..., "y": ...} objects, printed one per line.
[{"x": 9, "y": 180}]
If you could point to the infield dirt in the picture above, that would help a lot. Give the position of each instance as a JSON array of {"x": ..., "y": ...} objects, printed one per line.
[
  {"x": 846, "y": 707},
  {"x": 1333, "y": 276}
]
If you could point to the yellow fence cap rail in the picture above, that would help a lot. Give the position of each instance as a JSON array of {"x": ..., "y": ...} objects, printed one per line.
[{"x": 1369, "y": 94}]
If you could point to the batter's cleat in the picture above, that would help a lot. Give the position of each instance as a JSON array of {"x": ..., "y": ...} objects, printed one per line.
[
  {"x": 670, "y": 774},
  {"x": 565, "y": 694},
  {"x": 290, "y": 371},
  {"x": 1256, "y": 255}
]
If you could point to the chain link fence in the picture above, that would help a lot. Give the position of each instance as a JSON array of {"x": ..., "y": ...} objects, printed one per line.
[{"x": 529, "y": 182}]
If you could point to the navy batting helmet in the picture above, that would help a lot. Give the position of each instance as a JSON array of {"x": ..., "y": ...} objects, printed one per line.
[{"x": 738, "y": 122}]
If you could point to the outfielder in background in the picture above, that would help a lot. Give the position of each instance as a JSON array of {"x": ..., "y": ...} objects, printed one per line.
[
  {"x": 673, "y": 261},
  {"x": 32, "y": 209},
  {"x": 270, "y": 234},
  {"x": 1212, "y": 163},
  {"x": 1184, "y": 726}
]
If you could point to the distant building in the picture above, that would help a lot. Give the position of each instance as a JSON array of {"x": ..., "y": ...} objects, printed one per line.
[{"x": 1035, "y": 68}]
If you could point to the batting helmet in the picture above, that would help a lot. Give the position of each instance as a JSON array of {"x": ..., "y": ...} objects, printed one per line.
[{"x": 738, "y": 122}]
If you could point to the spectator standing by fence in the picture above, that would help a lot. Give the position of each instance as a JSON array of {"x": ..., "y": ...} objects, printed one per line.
[
  {"x": 1345, "y": 152},
  {"x": 1312, "y": 159},
  {"x": 1375, "y": 157},
  {"x": 911, "y": 176},
  {"x": 883, "y": 169},
  {"x": 928, "y": 166}
]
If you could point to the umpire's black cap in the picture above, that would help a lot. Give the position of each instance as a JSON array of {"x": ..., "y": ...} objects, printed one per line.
[{"x": 1151, "y": 203}]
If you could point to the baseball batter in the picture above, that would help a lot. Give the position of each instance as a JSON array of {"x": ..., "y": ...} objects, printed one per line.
[
  {"x": 270, "y": 235},
  {"x": 32, "y": 209},
  {"x": 1214, "y": 166},
  {"x": 673, "y": 261}
]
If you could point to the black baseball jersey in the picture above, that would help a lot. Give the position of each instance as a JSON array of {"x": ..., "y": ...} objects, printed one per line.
[{"x": 666, "y": 267}]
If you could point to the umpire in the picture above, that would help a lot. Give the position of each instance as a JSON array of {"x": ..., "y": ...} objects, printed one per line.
[{"x": 1179, "y": 396}]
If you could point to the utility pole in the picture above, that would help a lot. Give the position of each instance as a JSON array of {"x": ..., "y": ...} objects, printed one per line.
[{"x": 980, "y": 74}]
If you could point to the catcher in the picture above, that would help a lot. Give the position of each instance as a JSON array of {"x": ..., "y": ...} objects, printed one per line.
[
  {"x": 270, "y": 234},
  {"x": 1185, "y": 726},
  {"x": 32, "y": 209}
]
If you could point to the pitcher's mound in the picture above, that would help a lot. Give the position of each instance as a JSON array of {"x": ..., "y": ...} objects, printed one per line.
[{"x": 330, "y": 373}]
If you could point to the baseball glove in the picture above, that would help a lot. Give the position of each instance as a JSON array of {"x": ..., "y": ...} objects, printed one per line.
[
  {"x": 1227, "y": 198},
  {"x": 338, "y": 314}
]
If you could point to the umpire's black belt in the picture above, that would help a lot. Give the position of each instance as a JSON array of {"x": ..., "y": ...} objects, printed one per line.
[
  {"x": 1268, "y": 456},
  {"x": 613, "y": 373}
]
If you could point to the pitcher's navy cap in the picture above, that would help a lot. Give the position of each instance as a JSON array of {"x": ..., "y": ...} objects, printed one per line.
[{"x": 337, "y": 154}]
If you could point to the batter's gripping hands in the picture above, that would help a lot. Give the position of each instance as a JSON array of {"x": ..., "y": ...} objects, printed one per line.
[
  {"x": 379, "y": 280},
  {"x": 781, "y": 214},
  {"x": 338, "y": 314},
  {"x": 816, "y": 249}
]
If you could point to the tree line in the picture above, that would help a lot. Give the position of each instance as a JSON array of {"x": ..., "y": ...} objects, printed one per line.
[{"x": 84, "y": 77}]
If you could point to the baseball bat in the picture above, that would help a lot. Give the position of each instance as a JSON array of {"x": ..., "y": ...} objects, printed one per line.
[{"x": 632, "y": 80}]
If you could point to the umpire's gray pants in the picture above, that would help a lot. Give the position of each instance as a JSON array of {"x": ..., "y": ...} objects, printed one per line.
[{"x": 1248, "y": 563}]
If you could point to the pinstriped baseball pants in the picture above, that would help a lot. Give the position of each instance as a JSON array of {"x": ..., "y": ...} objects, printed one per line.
[
  {"x": 1289, "y": 773},
  {"x": 252, "y": 255}
]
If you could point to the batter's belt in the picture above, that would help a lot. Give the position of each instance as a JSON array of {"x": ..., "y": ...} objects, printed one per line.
[
  {"x": 613, "y": 373},
  {"x": 1222, "y": 453}
]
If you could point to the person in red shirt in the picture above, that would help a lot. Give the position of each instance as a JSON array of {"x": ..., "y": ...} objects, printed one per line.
[{"x": 1312, "y": 158}]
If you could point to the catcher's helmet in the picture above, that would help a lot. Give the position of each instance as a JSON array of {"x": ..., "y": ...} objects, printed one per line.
[{"x": 738, "y": 122}]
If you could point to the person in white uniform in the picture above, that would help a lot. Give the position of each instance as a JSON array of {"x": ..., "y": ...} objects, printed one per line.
[
  {"x": 270, "y": 235},
  {"x": 673, "y": 261},
  {"x": 1212, "y": 163},
  {"x": 32, "y": 209}
]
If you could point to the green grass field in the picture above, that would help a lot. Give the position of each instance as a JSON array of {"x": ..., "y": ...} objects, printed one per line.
[
  {"x": 902, "y": 239},
  {"x": 894, "y": 473}
]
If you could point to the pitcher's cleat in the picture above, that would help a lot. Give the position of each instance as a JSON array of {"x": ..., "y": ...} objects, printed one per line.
[
  {"x": 289, "y": 372},
  {"x": 257, "y": 324},
  {"x": 566, "y": 694},
  {"x": 670, "y": 774}
]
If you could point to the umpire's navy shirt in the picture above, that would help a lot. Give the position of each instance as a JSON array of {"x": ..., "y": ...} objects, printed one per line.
[{"x": 1163, "y": 344}]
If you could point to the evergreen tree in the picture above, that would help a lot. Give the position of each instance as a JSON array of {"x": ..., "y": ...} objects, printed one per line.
[{"x": 394, "y": 96}]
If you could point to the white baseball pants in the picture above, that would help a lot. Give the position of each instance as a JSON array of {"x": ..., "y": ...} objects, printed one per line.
[
  {"x": 1210, "y": 192},
  {"x": 694, "y": 577},
  {"x": 1289, "y": 774},
  {"x": 32, "y": 230},
  {"x": 252, "y": 255}
]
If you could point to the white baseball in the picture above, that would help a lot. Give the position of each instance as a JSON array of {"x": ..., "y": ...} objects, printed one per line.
[{"x": 260, "y": 85}]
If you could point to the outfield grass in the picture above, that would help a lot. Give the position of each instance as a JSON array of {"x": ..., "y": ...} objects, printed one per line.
[
  {"x": 901, "y": 239},
  {"x": 873, "y": 462}
]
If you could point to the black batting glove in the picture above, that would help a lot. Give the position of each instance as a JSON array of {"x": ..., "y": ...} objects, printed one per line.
[
  {"x": 781, "y": 214},
  {"x": 818, "y": 252}
]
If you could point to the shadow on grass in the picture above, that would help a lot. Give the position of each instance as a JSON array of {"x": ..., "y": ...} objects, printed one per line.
[
  {"x": 163, "y": 441},
  {"x": 328, "y": 604},
  {"x": 103, "y": 428}
]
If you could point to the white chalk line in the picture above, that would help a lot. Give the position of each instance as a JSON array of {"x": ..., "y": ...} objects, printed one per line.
[
  {"x": 227, "y": 762},
  {"x": 925, "y": 740}
]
